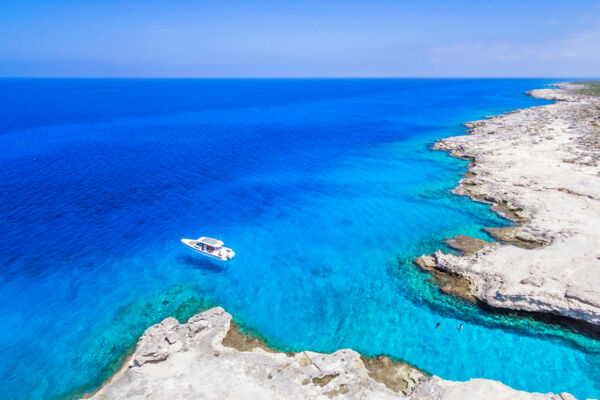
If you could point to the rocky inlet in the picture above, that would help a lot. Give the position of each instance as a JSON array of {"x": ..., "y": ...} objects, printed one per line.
[{"x": 536, "y": 166}]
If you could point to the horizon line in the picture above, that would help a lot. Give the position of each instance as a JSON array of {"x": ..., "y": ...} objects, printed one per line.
[{"x": 298, "y": 77}]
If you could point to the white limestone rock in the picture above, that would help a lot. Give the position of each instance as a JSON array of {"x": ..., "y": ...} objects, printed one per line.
[
  {"x": 543, "y": 160},
  {"x": 190, "y": 361},
  {"x": 478, "y": 389}
]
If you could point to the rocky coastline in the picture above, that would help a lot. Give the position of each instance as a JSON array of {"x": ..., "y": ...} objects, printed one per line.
[
  {"x": 209, "y": 358},
  {"x": 538, "y": 167}
]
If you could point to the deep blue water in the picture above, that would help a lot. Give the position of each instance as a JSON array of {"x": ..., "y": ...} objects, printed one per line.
[{"x": 326, "y": 190}]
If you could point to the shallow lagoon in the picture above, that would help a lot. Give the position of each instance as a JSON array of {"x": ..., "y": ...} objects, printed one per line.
[{"x": 326, "y": 190}]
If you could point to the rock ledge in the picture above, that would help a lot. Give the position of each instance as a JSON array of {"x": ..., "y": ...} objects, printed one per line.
[
  {"x": 539, "y": 167},
  {"x": 191, "y": 361}
]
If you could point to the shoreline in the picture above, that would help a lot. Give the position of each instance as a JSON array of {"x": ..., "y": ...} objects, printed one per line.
[
  {"x": 209, "y": 357},
  {"x": 485, "y": 273},
  {"x": 167, "y": 358}
]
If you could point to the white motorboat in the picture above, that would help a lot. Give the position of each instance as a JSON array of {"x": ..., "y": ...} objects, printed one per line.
[{"x": 210, "y": 247}]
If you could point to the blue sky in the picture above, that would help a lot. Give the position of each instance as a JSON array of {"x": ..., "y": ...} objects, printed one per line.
[{"x": 300, "y": 39}]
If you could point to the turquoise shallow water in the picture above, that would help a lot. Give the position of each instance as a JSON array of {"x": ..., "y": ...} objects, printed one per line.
[{"x": 326, "y": 190}]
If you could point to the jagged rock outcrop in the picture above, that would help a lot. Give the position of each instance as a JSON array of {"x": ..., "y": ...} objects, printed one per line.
[
  {"x": 539, "y": 167},
  {"x": 468, "y": 245},
  {"x": 208, "y": 358}
]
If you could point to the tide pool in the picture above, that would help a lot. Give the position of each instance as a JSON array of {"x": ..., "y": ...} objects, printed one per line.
[{"x": 326, "y": 190}]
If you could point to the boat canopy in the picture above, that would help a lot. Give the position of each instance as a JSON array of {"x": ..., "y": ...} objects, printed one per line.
[{"x": 210, "y": 242}]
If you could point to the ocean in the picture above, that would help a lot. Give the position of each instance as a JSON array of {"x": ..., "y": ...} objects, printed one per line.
[{"x": 325, "y": 188}]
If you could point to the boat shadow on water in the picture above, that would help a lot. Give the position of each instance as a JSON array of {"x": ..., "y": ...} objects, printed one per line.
[{"x": 200, "y": 263}]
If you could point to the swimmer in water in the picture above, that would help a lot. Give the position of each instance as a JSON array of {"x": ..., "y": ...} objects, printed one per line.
[
  {"x": 460, "y": 327},
  {"x": 437, "y": 325}
]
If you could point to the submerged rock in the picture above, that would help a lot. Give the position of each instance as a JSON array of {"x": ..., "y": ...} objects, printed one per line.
[
  {"x": 451, "y": 283},
  {"x": 468, "y": 245}
]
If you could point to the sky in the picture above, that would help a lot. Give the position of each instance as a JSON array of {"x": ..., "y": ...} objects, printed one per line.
[{"x": 271, "y": 38}]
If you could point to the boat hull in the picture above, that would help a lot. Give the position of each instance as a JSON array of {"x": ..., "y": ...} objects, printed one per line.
[{"x": 226, "y": 253}]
